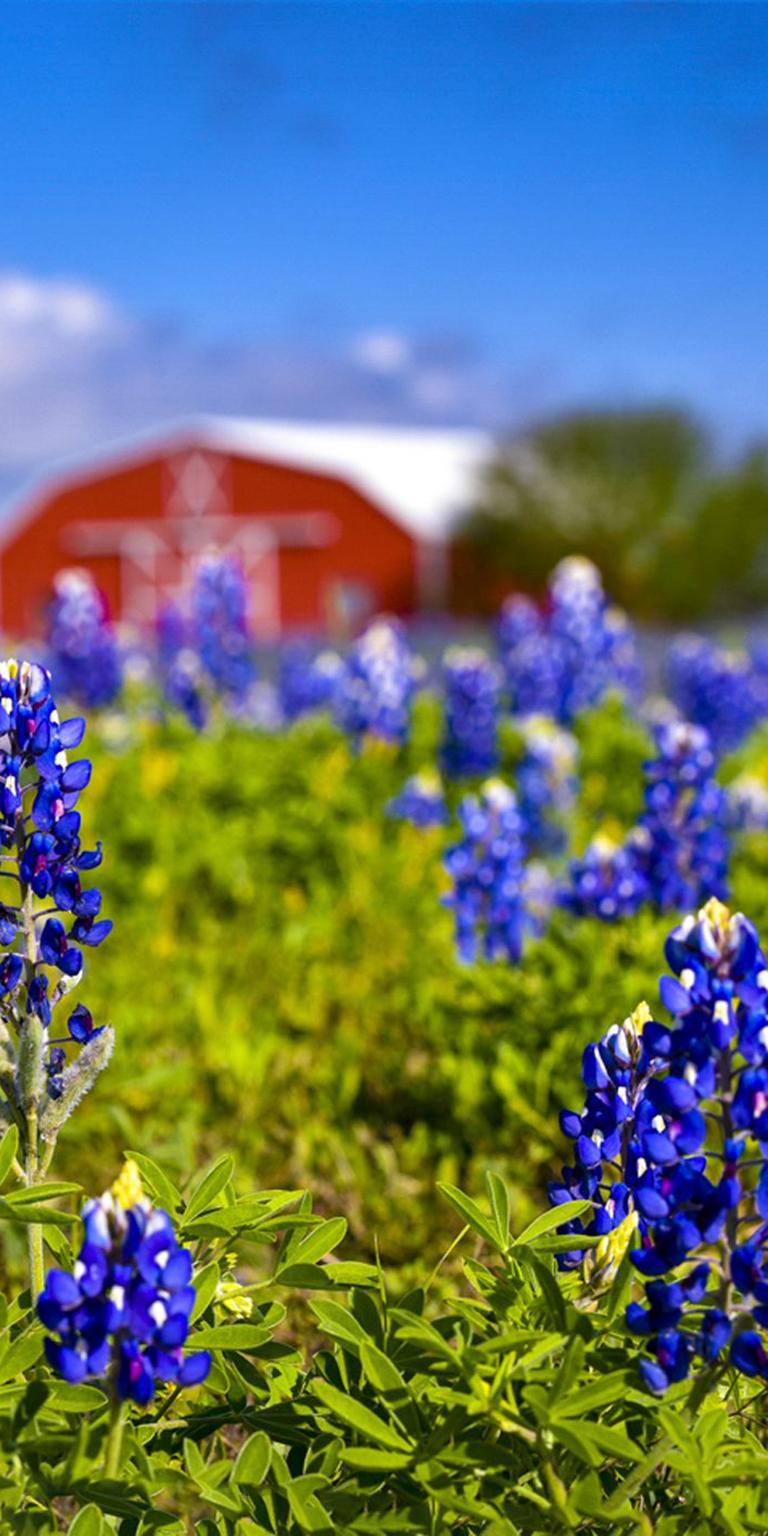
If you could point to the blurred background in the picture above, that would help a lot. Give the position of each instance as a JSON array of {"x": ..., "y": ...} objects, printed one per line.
[{"x": 400, "y": 303}]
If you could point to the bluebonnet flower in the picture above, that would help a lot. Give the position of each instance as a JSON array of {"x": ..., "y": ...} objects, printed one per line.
[
  {"x": 721, "y": 690},
  {"x": 374, "y": 693},
  {"x": 122, "y": 1316},
  {"x": 44, "y": 857},
  {"x": 666, "y": 1121},
  {"x": 592, "y": 650},
  {"x": 220, "y": 628},
  {"x": 546, "y": 782},
  {"x": 487, "y": 873},
  {"x": 307, "y": 680},
  {"x": 472, "y": 689},
  {"x": 82, "y": 645},
  {"x": 528, "y": 659},
  {"x": 682, "y": 845},
  {"x": 563, "y": 663},
  {"x": 605, "y": 882},
  {"x": 420, "y": 801},
  {"x": 184, "y": 687}
]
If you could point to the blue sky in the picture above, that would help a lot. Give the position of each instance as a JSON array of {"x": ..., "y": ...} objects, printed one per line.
[{"x": 404, "y": 211}]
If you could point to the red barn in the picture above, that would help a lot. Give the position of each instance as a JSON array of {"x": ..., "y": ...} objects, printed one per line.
[{"x": 332, "y": 522}]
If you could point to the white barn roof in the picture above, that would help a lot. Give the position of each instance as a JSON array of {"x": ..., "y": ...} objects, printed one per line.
[{"x": 423, "y": 477}]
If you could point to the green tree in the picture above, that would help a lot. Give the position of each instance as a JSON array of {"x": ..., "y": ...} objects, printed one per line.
[{"x": 639, "y": 493}]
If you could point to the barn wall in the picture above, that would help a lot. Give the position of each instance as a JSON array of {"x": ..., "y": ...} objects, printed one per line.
[
  {"x": 39, "y": 549},
  {"x": 361, "y": 545}
]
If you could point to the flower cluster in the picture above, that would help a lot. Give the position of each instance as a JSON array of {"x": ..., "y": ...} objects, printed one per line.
[
  {"x": 472, "y": 690},
  {"x": 420, "y": 801},
  {"x": 375, "y": 690},
  {"x": 122, "y": 1316},
  {"x": 682, "y": 845},
  {"x": 659, "y": 1150},
  {"x": 531, "y": 674},
  {"x": 546, "y": 782},
  {"x": 563, "y": 663},
  {"x": 725, "y": 691},
  {"x": 487, "y": 873},
  {"x": 53, "y": 916},
  {"x": 219, "y": 605},
  {"x": 606, "y": 882},
  {"x": 83, "y": 652},
  {"x": 307, "y": 680}
]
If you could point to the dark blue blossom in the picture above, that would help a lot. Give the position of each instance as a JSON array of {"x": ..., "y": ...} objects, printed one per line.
[
  {"x": 659, "y": 1153},
  {"x": 57, "y": 912},
  {"x": 487, "y": 875},
  {"x": 420, "y": 801},
  {"x": 724, "y": 691},
  {"x": 682, "y": 844},
  {"x": 84, "y": 656},
  {"x": 122, "y": 1317},
  {"x": 375, "y": 690},
  {"x": 220, "y": 627},
  {"x": 471, "y": 684},
  {"x": 606, "y": 882},
  {"x": 307, "y": 679}
]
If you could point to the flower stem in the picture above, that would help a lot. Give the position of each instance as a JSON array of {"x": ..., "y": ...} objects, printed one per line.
[
  {"x": 34, "y": 1230},
  {"x": 115, "y": 1436}
]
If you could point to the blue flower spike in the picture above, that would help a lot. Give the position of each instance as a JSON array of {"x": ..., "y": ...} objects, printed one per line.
[
  {"x": 52, "y": 914},
  {"x": 659, "y": 1149}
]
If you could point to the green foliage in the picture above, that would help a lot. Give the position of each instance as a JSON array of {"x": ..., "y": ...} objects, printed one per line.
[
  {"x": 636, "y": 491},
  {"x": 289, "y": 1013},
  {"x": 283, "y": 984}
]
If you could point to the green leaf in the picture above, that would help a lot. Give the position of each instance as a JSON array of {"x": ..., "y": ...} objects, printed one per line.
[
  {"x": 499, "y": 1198},
  {"x": 39, "y": 1215},
  {"x": 23, "y": 1353},
  {"x": 606, "y": 1389},
  {"x": 344, "y": 1273},
  {"x": 253, "y": 1461},
  {"x": 471, "y": 1214},
  {"x": 76, "y": 1399},
  {"x": 230, "y": 1336},
  {"x": 614, "y": 1442},
  {"x": 679, "y": 1433},
  {"x": 382, "y": 1372},
  {"x": 306, "y": 1277},
  {"x": 338, "y": 1323},
  {"x": 9, "y": 1146},
  {"x": 88, "y": 1522},
  {"x": 366, "y": 1459},
  {"x": 570, "y": 1210},
  {"x": 306, "y": 1509},
  {"x": 40, "y": 1192},
  {"x": 318, "y": 1242},
  {"x": 205, "y": 1287},
  {"x": 205, "y": 1191},
  {"x": 358, "y": 1417}
]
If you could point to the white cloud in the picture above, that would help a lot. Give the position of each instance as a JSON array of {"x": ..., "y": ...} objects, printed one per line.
[
  {"x": 77, "y": 372},
  {"x": 56, "y": 307},
  {"x": 383, "y": 352}
]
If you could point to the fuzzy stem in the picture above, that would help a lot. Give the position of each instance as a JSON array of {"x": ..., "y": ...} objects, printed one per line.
[
  {"x": 34, "y": 1230},
  {"x": 31, "y": 1160},
  {"x": 115, "y": 1436}
]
